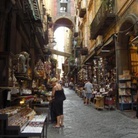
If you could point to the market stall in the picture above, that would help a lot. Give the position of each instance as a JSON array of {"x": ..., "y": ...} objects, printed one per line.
[{"x": 20, "y": 121}]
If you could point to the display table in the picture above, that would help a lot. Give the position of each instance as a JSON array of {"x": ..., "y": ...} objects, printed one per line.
[
  {"x": 99, "y": 102},
  {"x": 42, "y": 108},
  {"x": 36, "y": 127}
]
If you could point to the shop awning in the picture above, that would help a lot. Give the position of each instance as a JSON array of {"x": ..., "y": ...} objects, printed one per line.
[
  {"x": 104, "y": 50},
  {"x": 89, "y": 57},
  {"x": 107, "y": 48},
  {"x": 108, "y": 43}
]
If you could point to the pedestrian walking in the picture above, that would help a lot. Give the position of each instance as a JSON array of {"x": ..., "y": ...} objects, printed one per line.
[
  {"x": 88, "y": 89},
  {"x": 58, "y": 97}
]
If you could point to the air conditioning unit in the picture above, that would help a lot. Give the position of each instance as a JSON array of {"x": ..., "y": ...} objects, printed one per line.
[{"x": 99, "y": 41}]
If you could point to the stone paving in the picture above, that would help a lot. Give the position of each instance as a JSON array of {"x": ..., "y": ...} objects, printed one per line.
[{"x": 83, "y": 121}]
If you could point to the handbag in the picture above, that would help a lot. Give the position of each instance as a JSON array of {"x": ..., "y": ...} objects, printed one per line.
[{"x": 63, "y": 96}]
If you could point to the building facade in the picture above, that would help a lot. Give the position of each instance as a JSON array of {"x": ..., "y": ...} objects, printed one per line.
[
  {"x": 109, "y": 30},
  {"x": 21, "y": 30}
]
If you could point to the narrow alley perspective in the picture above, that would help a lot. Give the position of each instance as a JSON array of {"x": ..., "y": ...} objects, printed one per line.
[
  {"x": 84, "y": 121},
  {"x": 68, "y": 68}
]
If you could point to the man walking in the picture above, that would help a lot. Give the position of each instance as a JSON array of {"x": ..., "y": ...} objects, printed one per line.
[{"x": 88, "y": 87}]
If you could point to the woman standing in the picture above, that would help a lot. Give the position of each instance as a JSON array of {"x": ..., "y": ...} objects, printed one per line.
[{"x": 58, "y": 98}]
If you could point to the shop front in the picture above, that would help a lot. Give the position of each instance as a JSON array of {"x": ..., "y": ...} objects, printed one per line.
[
  {"x": 126, "y": 63},
  {"x": 114, "y": 65}
]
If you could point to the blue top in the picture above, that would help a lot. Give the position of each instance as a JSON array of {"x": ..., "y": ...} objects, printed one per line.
[{"x": 88, "y": 87}]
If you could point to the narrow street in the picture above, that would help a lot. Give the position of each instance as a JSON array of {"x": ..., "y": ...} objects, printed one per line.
[{"x": 83, "y": 121}]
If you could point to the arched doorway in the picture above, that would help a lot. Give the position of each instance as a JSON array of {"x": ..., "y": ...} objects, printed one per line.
[
  {"x": 64, "y": 22},
  {"x": 126, "y": 60},
  {"x": 127, "y": 32}
]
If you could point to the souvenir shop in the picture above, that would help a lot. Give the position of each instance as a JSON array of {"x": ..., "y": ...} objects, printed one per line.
[{"x": 25, "y": 102}]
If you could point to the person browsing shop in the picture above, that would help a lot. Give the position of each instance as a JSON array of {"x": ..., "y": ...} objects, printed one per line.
[
  {"x": 58, "y": 98},
  {"x": 88, "y": 87}
]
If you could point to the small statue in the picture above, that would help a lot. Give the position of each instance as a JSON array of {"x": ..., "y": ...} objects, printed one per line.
[{"x": 21, "y": 62}]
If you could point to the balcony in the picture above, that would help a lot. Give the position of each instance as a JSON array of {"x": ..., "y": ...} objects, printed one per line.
[
  {"x": 103, "y": 19},
  {"x": 31, "y": 8},
  {"x": 82, "y": 9},
  {"x": 82, "y": 12}
]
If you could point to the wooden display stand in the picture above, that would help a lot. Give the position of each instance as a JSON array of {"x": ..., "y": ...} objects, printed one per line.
[{"x": 99, "y": 102}]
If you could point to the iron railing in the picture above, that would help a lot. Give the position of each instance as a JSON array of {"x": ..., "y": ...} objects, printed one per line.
[{"x": 104, "y": 17}]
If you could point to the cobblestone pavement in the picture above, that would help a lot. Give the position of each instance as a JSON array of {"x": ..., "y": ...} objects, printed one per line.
[{"x": 83, "y": 121}]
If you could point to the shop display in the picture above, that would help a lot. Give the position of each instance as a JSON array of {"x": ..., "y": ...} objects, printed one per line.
[
  {"x": 22, "y": 121},
  {"x": 104, "y": 74},
  {"x": 21, "y": 65},
  {"x": 35, "y": 125},
  {"x": 134, "y": 61},
  {"x": 10, "y": 110},
  {"x": 134, "y": 71},
  {"x": 82, "y": 74},
  {"x": 125, "y": 98},
  {"x": 18, "y": 116},
  {"x": 39, "y": 69}
]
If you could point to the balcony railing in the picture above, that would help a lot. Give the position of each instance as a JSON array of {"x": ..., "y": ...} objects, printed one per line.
[
  {"x": 103, "y": 19},
  {"x": 32, "y": 8}
]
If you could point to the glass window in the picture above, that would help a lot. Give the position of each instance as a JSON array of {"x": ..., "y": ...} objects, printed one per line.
[{"x": 63, "y": 7}]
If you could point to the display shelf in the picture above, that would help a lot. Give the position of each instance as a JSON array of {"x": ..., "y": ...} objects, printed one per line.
[
  {"x": 33, "y": 126},
  {"x": 125, "y": 96}
]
